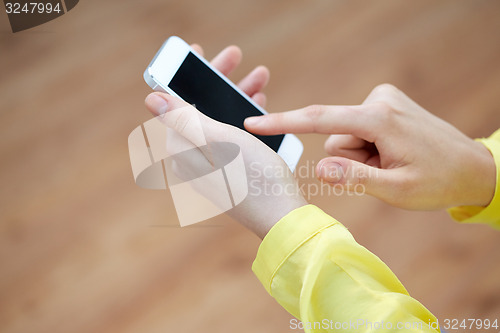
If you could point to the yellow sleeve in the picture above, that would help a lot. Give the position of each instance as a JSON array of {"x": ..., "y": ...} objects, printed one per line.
[
  {"x": 491, "y": 213},
  {"x": 314, "y": 268}
]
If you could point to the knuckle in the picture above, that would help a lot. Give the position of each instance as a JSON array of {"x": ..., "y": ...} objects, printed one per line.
[
  {"x": 314, "y": 111},
  {"x": 362, "y": 178},
  {"x": 355, "y": 111},
  {"x": 385, "y": 112},
  {"x": 383, "y": 109},
  {"x": 403, "y": 189},
  {"x": 386, "y": 89},
  {"x": 382, "y": 106},
  {"x": 404, "y": 185}
]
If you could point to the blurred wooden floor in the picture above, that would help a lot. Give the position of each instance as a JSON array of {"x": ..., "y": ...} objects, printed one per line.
[{"x": 82, "y": 249}]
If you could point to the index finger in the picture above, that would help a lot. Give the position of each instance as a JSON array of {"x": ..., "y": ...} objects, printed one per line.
[{"x": 331, "y": 119}]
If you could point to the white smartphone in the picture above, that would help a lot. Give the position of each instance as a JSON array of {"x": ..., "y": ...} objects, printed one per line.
[{"x": 178, "y": 70}]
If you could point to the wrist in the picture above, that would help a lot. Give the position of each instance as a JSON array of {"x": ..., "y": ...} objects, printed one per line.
[
  {"x": 482, "y": 178},
  {"x": 275, "y": 214}
]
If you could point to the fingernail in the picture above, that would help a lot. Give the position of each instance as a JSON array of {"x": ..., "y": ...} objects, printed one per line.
[
  {"x": 157, "y": 104},
  {"x": 252, "y": 121},
  {"x": 331, "y": 172}
]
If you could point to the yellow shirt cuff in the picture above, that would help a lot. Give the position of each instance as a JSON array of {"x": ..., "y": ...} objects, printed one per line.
[{"x": 293, "y": 230}]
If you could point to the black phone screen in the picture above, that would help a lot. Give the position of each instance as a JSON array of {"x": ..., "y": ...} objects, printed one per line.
[{"x": 198, "y": 84}]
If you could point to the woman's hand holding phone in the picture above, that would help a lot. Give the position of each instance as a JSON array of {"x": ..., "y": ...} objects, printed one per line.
[{"x": 265, "y": 170}]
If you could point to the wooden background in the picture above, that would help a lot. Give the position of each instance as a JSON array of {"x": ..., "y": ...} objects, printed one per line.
[{"x": 83, "y": 249}]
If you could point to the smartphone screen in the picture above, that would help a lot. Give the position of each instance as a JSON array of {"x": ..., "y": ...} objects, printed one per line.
[{"x": 198, "y": 84}]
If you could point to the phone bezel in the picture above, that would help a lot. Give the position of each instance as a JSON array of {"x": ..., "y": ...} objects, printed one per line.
[{"x": 167, "y": 61}]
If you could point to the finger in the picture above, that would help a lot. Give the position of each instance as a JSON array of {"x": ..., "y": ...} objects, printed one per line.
[
  {"x": 336, "y": 142},
  {"x": 186, "y": 120},
  {"x": 260, "y": 98},
  {"x": 359, "y": 155},
  {"x": 255, "y": 81},
  {"x": 347, "y": 146},
  {"x": 227, "y": 60},
  {"x": 197, "y": 48},
  {"x": 356, "y": 177},
  {"x": 159, "y": 103},
  {"x": 374, "y": 160},
  {"x": 316, "y": 119}
]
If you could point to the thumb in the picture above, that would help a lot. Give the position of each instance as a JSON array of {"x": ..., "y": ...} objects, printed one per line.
[
  {"x": 354, "y": 176},
  {"x": 178, "y": 115},
  {"x": 158, "y": 103}
]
